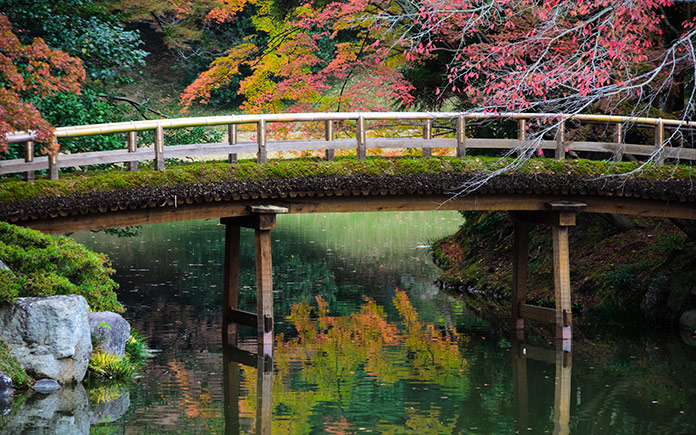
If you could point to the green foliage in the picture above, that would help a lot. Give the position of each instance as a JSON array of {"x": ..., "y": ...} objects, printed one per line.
[
  {"x": 482, "y": 225},
  {"x": 87, "y": 108},
  {"x": 42, "y": 265},
  {"x": 81, "y": 28},
  {"x": 12, "y": 368},
  {"x": 107, "y": 366}
]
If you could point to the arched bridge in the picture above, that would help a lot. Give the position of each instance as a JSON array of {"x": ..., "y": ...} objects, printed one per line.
[
  {"x": 550, "y": 197},
  {"x": 537, "y": 134}
]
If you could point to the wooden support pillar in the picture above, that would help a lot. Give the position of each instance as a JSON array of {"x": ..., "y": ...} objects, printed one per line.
[
  {"x": 29, "y": 157},
  {"x": 262, "y": 219},
  {"x": 230, "y": 297},
  {"x": 329, "y": 135},
  {"x": 563, "y": 217},
  {"x": 561, "y": 279},
  {"x": 132, "y": 144},
  {"x": 261, "y": 155},
  {"x": 461, "y": 136},
  {"x": 159, "y": 148},
  {"x": 264, "y": 288},
  {"x": 427, "y": 135},
  {"x": 360, "y": 137},
  {"x": 232, "y": 140},
  {"x": 520, "y": 249}
]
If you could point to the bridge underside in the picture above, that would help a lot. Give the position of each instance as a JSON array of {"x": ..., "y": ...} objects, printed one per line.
[
  {"x": 554, "y": 200},
  {"x": 173, "y": 210}
]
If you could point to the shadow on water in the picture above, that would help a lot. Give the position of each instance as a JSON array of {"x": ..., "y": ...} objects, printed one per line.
[{"x": 380, "y": 350}]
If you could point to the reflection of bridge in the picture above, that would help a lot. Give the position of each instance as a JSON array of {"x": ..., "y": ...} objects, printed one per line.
[{"x": 554, "y": 203}]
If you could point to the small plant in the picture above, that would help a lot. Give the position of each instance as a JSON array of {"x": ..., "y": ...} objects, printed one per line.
[
  {"x": 108, "y": 366},
  {"x": 12, "y": 368}
]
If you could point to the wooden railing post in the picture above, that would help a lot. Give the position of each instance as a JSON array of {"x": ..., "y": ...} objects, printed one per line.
[
  {"x": 329, "y": 134},
  {"x": 618, "y": 138},
  {"x": 28, "y": 158},
  {"x": 521, "y": 134},
  {"x": 132, "y": 144},
  {"x": 461, "y": 136},
  {"x": 232, "y": 140},
  {"x": 659, "y": 142},
  {"x": 159, "y": 148},
  {"x": 261, "y": 155},
  {"x": 53, "y": 166},
  {"x": 560, "y": 141},
  {"x": 360, "y": 137},
  {"x": 427, "y": 135}
]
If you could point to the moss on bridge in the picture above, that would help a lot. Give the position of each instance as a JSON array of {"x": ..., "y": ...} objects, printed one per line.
[{"x": 12, "y": 190}]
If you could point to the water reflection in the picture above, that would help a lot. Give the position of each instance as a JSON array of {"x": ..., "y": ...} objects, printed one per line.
[
  {"x": 561, "y": 358},
  {"x": 336, "y": 358},
  {"x": 389, "y": 380},
  {"x": 234, "y": 358}
]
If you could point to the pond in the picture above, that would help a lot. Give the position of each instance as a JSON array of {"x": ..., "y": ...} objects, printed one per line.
[{"x": 365, "y": 343}]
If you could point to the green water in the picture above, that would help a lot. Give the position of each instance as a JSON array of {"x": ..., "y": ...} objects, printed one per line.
[{"x": 360, "y": 368}]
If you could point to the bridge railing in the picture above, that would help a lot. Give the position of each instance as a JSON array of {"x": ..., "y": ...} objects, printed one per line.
[{"x": 132, "y": 154}]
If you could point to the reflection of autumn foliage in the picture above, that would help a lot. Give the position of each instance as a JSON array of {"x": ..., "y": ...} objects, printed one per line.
[{"x": 333, "y": 356}]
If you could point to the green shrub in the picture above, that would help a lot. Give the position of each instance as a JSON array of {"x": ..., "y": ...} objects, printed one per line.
[{"x": 42, "y": 265}]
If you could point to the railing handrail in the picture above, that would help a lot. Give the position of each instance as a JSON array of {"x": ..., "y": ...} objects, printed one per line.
[
  {"x": 211, "y": 121},
  {"x": 660, "y": 150}
]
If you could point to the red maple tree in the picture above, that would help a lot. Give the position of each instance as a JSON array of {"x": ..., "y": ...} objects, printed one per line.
[{"x": 31, "y": 70}]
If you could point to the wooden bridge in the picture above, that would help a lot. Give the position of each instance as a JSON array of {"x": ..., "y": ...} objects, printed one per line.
[{"x": 359, "y": 131}]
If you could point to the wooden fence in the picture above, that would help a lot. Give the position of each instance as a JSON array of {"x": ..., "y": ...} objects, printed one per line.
[{"x": 663, "y": 147}]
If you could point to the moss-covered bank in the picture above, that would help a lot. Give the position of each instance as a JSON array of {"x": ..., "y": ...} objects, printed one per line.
[
  {"x": 643, "y": 276},
  {"x": 42, "y": 265}
]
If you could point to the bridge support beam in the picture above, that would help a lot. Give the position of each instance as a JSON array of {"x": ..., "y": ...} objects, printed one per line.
[
  {"x": 561, "y": 216},
  {"x": 263, "y": 220}
]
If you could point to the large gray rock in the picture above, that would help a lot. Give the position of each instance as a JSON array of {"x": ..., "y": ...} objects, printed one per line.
[
  {"x": 49, "y": 336},
  {"x": 64, "y": 412},
  {"x": 109, "y": 331}
]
